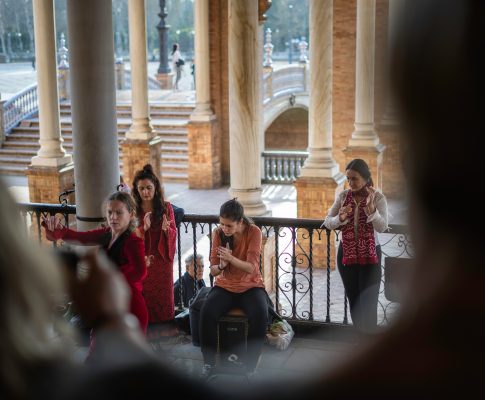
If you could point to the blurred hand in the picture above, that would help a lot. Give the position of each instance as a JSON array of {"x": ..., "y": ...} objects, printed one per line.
[
  {"x": 165, "y": 223},
  {"x": 104, "y": 295},
  {"x": 344, "y": 213},
  {"x": 51, "y": 223},
  {"x": 370, "y": 204},
  {"x": 147, "y": 221},
  {"x": 225, "y": 255}
]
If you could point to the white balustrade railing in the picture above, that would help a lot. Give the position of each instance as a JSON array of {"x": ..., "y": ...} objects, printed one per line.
[
  {"x": 282, "y": 166},
  {"x": 22, "y": 105},
  {"x": 284, "y": 81}
]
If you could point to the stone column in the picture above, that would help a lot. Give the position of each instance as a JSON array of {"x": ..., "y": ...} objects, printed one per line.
[
  {"x": 93, "y": 102},
  {"x": 320, "y": 178},
  {"x": 388, "y": 130},
  {"x": 244, "y": 105},
  {"x": 364, "y": 142},
  {"x": 203, "y": 128},
  {"x": 51, "y": 171},
  {"x": 395, "y": 6},
  {"x": 141, "y": 146}
]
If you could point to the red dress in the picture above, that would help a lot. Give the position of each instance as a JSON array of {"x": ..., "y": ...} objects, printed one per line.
[
  {"x": 158, "y": 285},
  {"x": 131, "y": 262}
]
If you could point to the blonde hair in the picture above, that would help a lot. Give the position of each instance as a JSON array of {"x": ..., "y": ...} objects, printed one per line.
[{"x": 30, "y": 284}]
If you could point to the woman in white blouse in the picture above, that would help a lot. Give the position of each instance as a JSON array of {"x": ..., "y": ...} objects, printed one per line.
[
  {"x": 360, "y": 212},
  {"x": 175, "y": 66}
]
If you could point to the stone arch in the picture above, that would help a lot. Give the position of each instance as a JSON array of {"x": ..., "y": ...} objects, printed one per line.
[{"x": 286, "y": 126}]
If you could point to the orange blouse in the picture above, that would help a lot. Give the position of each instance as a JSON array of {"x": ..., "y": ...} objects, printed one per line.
[{"x": 247, "y": 249}]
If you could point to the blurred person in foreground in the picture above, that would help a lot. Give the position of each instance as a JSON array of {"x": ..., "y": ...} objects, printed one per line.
[
  {"x": 37, "y": 351},
  {"x": 434, "y": 348}
]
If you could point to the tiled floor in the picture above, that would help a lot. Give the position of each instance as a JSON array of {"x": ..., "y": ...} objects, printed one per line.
[{"x": 303, "y": 357}]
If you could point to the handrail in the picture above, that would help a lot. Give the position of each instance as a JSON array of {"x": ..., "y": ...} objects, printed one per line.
[
  {"x": 283, "y": 81},
  {"x": 152, "y": 82},
  {"x": 22, "y": 105},
  {"x": 302, "y": 292}
]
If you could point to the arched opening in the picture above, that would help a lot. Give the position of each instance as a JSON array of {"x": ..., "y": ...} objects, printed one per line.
[{"x": 289, "y": 131}]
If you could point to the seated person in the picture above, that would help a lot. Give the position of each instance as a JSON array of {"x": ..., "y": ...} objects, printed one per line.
[
  {"x": 235, "y": 254},
  {"x": 188, "y": 282}
]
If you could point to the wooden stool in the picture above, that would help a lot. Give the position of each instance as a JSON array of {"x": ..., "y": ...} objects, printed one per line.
[{"x": 232, "y": 339}]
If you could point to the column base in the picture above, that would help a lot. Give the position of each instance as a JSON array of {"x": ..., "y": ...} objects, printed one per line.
[
  {"x": 165, "y": 80},
  {"x": 314, "y": 197},
  {"x": 47, "y": 183},
  {"x": 137, "y": 153},
  {"x": 372, "y": 155},
  {"x": 251, "y": 201},
  {"x": 204, "y": 155}
]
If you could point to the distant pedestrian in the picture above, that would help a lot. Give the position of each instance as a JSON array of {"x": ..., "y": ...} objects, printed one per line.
[
  {"x": 193, "y": 71},
  {"x": 33, "y": 63},
  {"x": 177, "y": 64}
]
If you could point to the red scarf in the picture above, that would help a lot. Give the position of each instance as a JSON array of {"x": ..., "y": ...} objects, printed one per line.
[{"x": 363, "y": 250}]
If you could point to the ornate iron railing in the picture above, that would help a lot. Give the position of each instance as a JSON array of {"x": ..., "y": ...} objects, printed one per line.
[
  {"x": 282, "y": 166},
  {"x": 21, "y": 106},
  {"x": 297, "y": 260}
]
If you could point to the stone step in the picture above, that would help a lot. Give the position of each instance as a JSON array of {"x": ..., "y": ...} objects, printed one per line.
[
  {"x": 16, "y": 170},
  {"x": 174, "y": 177},
  {"x": 174, "y": 150},
  {"x": 123, "y": 124},
  {"x": 168, "y": 120},
  {"x": 6, "y": 159},
  {"x": 154, "y": 114},
  {"x": 20, "y": 152},
  {"x": 172, "y": 167},
  {"x": 154, "y": 107}
]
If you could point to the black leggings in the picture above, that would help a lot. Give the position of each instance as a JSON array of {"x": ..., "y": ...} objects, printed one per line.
[
  {"x": 254, "y": 304},
  {"x": 361, "y": 283}
]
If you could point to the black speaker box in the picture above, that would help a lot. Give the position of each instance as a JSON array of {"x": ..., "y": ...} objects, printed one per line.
[{"x": 232, "y": 335}]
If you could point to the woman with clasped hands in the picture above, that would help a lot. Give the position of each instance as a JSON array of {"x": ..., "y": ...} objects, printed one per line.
[
  {"x": 234, "y": 259},
  {"x": 360, "y": 212}
]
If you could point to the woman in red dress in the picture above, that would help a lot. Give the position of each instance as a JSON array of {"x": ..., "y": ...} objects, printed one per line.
[
  {"x": 120, "y": 242},
  {"x": 157, "y": 228}
]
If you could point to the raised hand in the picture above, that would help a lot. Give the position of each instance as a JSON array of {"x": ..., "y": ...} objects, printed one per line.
[
  {"x": 225, "y": 255},
  {"x": 344, "y": 212},
  {"x": 165, "y": 223},
  {"x": 147, "y": 221},
  {"x": 52, "y": 223},
  {"x": 370, "y": 204},
  {"x": 148, "y": 260}
]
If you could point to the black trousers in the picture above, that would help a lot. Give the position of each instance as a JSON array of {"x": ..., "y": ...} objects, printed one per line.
[
  {"x": 361, "y": 283},
  {"x": 253, "y": 302}
]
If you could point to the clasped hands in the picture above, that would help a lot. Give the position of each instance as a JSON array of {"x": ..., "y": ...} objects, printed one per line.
[
  {"x": 225, "y": 255},
  {"x": 370, "y": 205},
  {"x": 147, "y": 222},
  {"x": 52, "y": 223}
]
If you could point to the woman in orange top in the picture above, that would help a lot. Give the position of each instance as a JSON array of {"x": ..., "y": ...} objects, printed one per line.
[{"x": 235, "y": 254}]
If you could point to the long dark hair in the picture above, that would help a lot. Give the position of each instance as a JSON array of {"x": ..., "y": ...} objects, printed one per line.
[
  {"x": 360, "y": 166},
  {"x": 158, "y": 202},
  {"x": 175, "y": 47},
  {"x": 233, "y": 210}
]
